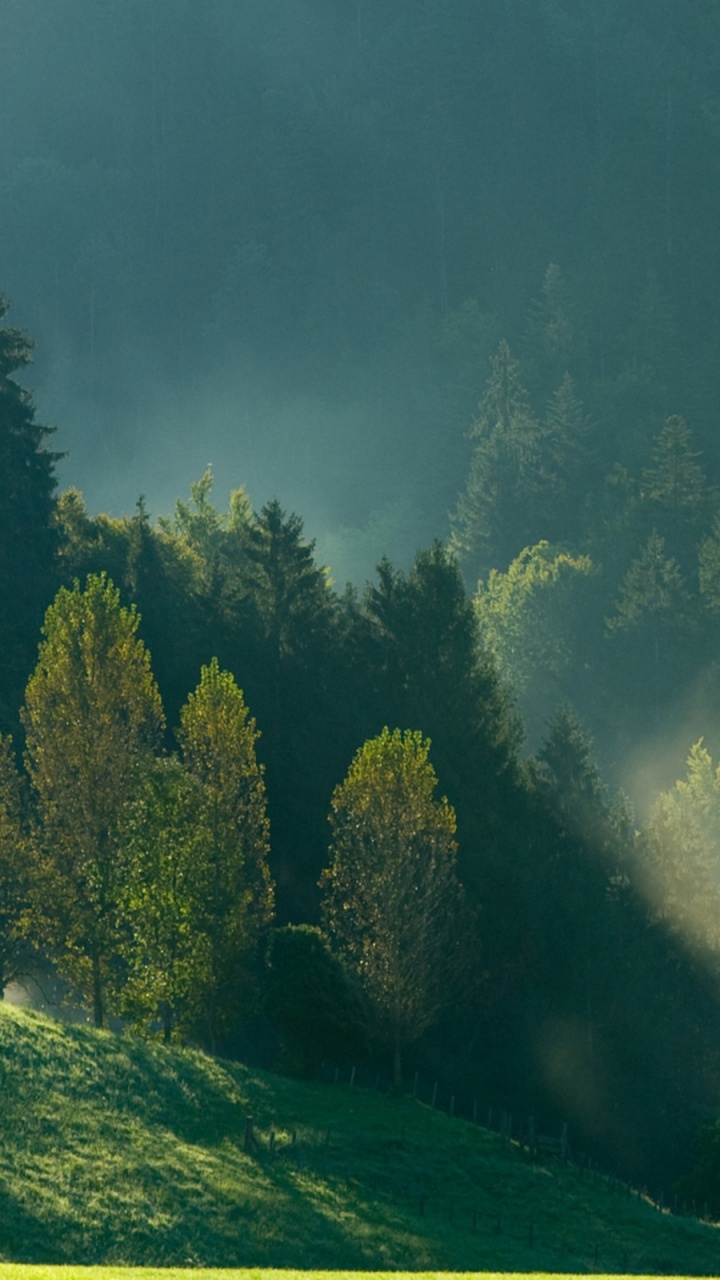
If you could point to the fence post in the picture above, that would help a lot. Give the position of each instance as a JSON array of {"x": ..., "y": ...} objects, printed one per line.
[{"x": 250, "y": 1143}]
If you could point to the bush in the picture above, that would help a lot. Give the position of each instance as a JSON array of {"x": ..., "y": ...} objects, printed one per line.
[{"x": 311, "y": 1001}]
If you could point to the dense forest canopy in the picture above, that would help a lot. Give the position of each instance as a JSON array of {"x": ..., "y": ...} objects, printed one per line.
[{"x": 441, "y": 277}]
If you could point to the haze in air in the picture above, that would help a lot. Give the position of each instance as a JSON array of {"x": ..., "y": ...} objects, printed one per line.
[{"x": 435, "y": 283}]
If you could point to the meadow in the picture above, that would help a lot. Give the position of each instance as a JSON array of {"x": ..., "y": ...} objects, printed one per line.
[{"x": 120, "y": 1153}]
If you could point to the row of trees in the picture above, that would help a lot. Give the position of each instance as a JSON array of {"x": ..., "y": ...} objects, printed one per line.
[
  {"x": 575, "y": 973},
  {"x": 599, "y": 569},
  {"x": 144, "y": 876}
]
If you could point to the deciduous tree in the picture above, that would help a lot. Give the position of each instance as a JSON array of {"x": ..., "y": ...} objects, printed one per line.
[
  {"x": 392, "y": 901},
  {"x": 218, "y": 735},
  {"x": 92, "y": 714}
]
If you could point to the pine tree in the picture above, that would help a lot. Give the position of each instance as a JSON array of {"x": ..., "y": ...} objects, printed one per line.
[
  {"x": 498, "y": 512},
  {"x": 674, "y": 489},
  {"x": 27, "y": 535}
]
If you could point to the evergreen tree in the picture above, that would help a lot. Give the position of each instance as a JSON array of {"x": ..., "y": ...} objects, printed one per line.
[
  {"x": 92, "y": 715},
  {"x": 674, "y": 490},
  {"x": 498, "y": 512},
  {"x": 552, "y": 347},
  {"x": 426, "y": 665},
  {"x": 651, "y": 619},
  {"x": 27, "y": 535}
]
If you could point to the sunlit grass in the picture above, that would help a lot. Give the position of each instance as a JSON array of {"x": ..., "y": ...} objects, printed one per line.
[
  {"x": 20, "y": 1271},
  {"x": 118, "y": 1152}
]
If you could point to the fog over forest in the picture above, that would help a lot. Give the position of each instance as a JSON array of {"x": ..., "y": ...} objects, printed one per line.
[
  {"x": 285, "y": 237},
  {"x": 441, "y": 278}
]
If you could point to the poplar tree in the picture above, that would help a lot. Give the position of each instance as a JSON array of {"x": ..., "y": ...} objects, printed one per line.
[
  {"x": 166, "y": 848},
  {"x": 393, "y": 905},
  {"x": 14, "y": 863},
  {"x": 92, "y": 714},
  {"x": 217, "y": 736}
]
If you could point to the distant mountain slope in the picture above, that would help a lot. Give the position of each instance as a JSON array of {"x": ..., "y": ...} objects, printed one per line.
[{"x": 113, "y": 1150}]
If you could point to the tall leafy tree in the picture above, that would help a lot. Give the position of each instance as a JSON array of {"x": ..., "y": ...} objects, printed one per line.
[
  {"x": 534, "y": 620},
  {"x": 392, "y": 902},
  {"x": 27, "y": 535},
  {"x": 92, "y": 714},
  {"x": 427, "y": 666},
  {"x": 218, "y": 735},
  {"x": 165, "y": 846},
  {"x": 15, "y": 864},
  {"x": 682, "y": 853}
]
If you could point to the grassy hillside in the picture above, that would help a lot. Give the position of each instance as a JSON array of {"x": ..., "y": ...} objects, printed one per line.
[{"x": 115, "y": 1151}]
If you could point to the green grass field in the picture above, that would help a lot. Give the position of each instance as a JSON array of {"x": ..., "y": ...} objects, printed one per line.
[
  {"x": 118, "y": 1152},
  {"x": 19, "y": 1271}
]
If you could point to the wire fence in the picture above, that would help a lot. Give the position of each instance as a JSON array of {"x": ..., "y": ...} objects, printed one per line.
[{"x": 540, "y": 1139}]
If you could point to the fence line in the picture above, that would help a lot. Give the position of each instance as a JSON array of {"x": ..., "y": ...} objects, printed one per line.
[{"x": 522, "y": 1129}]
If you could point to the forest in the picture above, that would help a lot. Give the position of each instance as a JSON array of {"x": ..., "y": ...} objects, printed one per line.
[{"x": 442, "y": 278}]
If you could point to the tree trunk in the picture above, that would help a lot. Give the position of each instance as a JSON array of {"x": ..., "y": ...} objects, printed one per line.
[{"x": 98, "y": 1003}]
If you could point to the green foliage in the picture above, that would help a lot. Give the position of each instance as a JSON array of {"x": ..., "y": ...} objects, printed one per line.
[
  {"x": 15, "y": 864},
  {"x": 92, "y": 714},
  {"x": 701, "y": 1184},
  {"x": 164, "y": 846},
  {"x": 217, "y": 736},
  {"x": 682, "y": 853},
  {"x": 653, "y": 589},
  {"x": 310, "y": 999},
  {"x": 496, "y": 510},
  {"x": 427, "y": 666},
  {"x": 531, "y": 619},
  {"x": 290, "y": 591},
  {"x": 392, "y": 903},
  {"x": 27, "y": 537}
]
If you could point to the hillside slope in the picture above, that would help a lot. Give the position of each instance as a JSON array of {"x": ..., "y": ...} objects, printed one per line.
[{"x": 113, "y": 1150}]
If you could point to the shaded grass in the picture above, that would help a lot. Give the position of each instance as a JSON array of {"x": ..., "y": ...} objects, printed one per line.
[{"x": 120, "y": 1152}]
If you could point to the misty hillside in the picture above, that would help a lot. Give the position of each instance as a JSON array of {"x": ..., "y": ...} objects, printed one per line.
[
  {"x": 286, "y": 237},
  {"x": 116, "y": 1152},
  {"x": 420, "y": 297}
]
